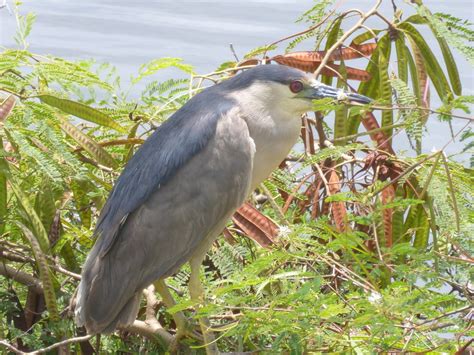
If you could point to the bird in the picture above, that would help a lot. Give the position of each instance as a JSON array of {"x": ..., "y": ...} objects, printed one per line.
[{"x": 177, "y": 192}]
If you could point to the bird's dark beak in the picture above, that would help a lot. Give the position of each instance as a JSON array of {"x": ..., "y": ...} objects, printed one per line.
[{"x": 321, "y": 91}]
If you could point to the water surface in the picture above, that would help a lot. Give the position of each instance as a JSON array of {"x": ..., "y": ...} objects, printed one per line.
[{"x": 128, "y": 34}]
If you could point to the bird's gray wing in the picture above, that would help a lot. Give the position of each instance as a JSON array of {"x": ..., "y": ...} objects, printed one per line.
[
  {"x": 167, "y": 228},
  {"x": 171, "y": 146}
]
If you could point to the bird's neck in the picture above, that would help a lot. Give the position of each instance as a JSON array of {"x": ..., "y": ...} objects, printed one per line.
[{"x": 274, "y": 133}]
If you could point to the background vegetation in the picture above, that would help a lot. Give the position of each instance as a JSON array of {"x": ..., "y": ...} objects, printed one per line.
[{"x": 350, "y": 246}]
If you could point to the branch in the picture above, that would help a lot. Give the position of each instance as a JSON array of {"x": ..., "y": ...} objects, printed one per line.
[
  {"x": 346, "y": 35},
  {"x": 152, "y": 331},
  {"x": 420, "y": 108},
  {"x": 325, "y": 18},
  {"x": 10, "y": 347},
  {"x": 49, "y": 348},
  {"x": 366, "y": 133},
  {"x": 151, "y": 327},
  {"x": 21, "y": 277},
  {"x": 466, "y": 308},
  {"x": 15, "y": 256}
]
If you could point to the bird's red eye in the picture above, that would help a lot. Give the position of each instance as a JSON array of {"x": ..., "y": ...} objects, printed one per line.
[{"x": 296, "y": 86}]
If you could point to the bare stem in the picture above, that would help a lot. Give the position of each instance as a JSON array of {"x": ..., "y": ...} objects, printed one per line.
[{"x": 345, "y": 36}]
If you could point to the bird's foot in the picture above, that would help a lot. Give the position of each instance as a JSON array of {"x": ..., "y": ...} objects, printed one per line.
[{"x": 188, "y": 331}]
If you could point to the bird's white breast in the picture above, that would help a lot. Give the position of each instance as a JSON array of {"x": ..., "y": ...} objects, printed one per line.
[
  {"x": 274, "y": 124},
  {"x": 272, "y": 145}
]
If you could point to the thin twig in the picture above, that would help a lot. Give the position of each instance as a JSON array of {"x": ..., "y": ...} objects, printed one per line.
[
  {"x": 233, "y": 52},
  {"x": 406, "y": 172},
  {"x": 377, "y": 244},
  {"x": 383, "y": 18},
  {"x": 300, "y": 33},
  {"x": 275, "y": 206},
  {"x": 17, "y": 257},
  {"x": 427, "y": 109},
  {"x": 62, "y": 343},
  {"x": 445, "y": 315},
  {"x": 451, "y": 191},
  {"x": 346, "y": 35},
  {"x": 366, "y": 133}
]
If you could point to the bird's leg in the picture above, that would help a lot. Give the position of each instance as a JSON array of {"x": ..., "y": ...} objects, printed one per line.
[
  {"x": 197, "y": 294},
  {"x": 183, "y": 327},
  {"x": 168, "y": 300}
]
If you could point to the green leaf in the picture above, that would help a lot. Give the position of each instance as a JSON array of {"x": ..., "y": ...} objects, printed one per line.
[
  {"x": 39, "y": 231},
  {"x": 45, "y": 204},
  {"x": 259, "y": 50},
  {"x": 69, "y": 256},
  {"x": 434, "y": 70},
  {"x": 422, "y": 226},
  {"x": 434, "y": 25},
  {"x": 385, "y": 87},
  {"x": 451, "y": 66},
  {"x": 365, "y": 36},
  {"x": 161, "y": 63},
  {"x": 45, "y": 273},
  {"x": 181, "y": 306},
  {"x": 325, "y": 105},
  {"x": 82, "y": 111},
  {"x": 333, "y": 310},
  {"x": 131, "y": 134},
  {"x": 80, "y": 188},
  {"x": 457, "y": 32},
  {"x": 402, "y": 61},
  {"x": 24, "y": 25},
  {"x": 417, "y": 223},
  {"x": 410, "y": 114},
  {"x": 4, "y": 171},
  {"x": 414, "y": 75},
  {"x": 67, "y": 252},
  {"x": 331, "y": 39},
  {"x": 89, "y": 145},
  {"x": 366, "y": 87},
  {"x": 340, "y": 117},
  {"x": 416, "y": 19}
]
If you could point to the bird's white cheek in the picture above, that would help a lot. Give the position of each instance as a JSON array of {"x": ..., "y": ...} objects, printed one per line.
[
  {"x": 294, "y": 106},
  {"x": 303, "y": 105}
]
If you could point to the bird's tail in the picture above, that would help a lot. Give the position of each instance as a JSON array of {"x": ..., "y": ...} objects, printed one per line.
[{"x": 103, "y": 303}]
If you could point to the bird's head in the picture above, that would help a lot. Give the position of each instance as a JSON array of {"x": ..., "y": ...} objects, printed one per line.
[{"x": 288, "y": 88}]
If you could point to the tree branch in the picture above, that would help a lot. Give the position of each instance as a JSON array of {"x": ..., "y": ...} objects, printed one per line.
[
  {"x": 21, "y": 277},
  {"x": 151, "y": 330},
  {"x": 49, "y": 348},
  {"x": 151, "y": 327}
]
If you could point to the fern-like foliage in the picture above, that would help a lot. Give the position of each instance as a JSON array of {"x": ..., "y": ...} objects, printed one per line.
[
  {"x": 409, "y": 112},
  {"x": 312, "y": 17},
  {"x": 457, "y": 32}
]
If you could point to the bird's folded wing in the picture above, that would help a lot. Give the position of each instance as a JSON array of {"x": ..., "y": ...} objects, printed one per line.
[
  {"x": 170, "y": 147},
  {"x": 166, "y": 229}
]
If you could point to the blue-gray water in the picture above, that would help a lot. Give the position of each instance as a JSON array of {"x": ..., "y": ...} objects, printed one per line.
[{"x": 130, "y": 33}]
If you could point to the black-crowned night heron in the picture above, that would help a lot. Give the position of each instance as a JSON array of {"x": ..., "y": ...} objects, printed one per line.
[{"x": 177, "y": 192}]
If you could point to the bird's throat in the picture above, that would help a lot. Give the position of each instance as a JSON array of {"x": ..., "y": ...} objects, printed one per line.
[{"x": 273, "y": 137}]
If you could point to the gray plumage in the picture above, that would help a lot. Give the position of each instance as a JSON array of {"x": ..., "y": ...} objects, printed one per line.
[{"x": 181, "y": 186}]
